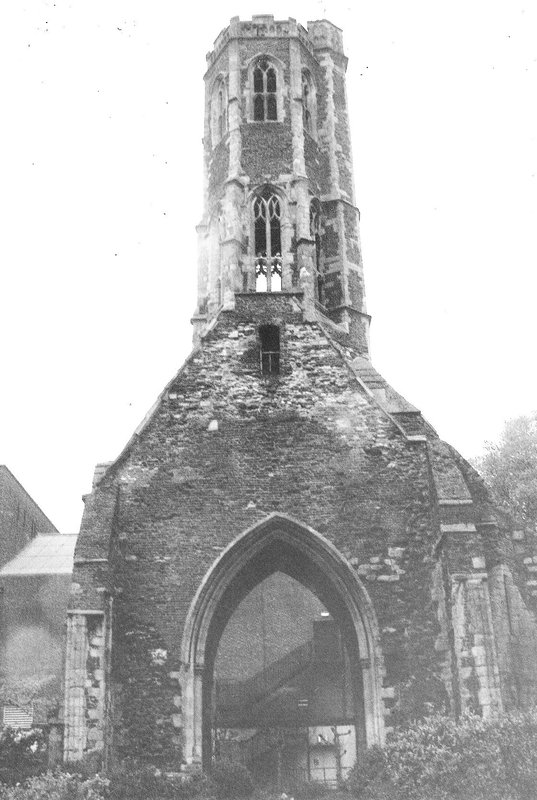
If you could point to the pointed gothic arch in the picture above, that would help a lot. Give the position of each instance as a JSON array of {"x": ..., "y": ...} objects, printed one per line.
[
  {"x": 268, "y": 218},
  {"x": 265, "y": 88},
  {"x": 278, "y": 543}
]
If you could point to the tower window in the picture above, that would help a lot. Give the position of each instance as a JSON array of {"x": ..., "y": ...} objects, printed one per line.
[
  {"x": 265, "y": 101},
  {"x": 222, "y": 113},
  {"x": 219, "y": 120},
  {"x": 308, "y": 104},
  {"x": 269, "y": 336},
  {"x": 267, "y": 238}
]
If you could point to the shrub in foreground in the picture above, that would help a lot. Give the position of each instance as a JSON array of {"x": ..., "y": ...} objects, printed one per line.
[
  {"x": 440, "y": 759},
  {"x": 22, "y": 754},
  {"x": 313, "y": 790},
  {"x": 57, "y": 786},
  {"x": 134, "y": 781},
  {"x": 231, "y": 780}
]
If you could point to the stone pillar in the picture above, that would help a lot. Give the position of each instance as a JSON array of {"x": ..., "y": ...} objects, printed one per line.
[
  {"x": 54, "y": 744},
  {"x": 516, "y": 638},
  {"x": 231, "y": 244},
  {"x": 474, "y": 644},
  {"x": 234, "y": 110},
  {"x": 74, "y": 743},
  {"x": 85, "y": 684},
  {"x": 199, "y": 319}
]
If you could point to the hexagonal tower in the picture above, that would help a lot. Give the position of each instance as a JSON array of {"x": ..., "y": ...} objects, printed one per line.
[
  {"x": 279, "y": 196},
  {"x": 285, "y": 560}
]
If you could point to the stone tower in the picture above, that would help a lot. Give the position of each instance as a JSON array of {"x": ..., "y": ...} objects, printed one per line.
[
  {"x": 279, "y": 196},
  {"x": 281, "y": 497}
]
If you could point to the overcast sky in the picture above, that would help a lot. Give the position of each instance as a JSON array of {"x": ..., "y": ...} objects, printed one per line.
[{"x": 101, "y": 174}]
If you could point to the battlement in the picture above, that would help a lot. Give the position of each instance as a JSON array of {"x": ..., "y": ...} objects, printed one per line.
[{"x": 320, "y": 34}]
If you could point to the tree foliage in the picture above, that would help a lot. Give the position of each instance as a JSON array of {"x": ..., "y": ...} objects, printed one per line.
[{"x": 510, "y": 468}]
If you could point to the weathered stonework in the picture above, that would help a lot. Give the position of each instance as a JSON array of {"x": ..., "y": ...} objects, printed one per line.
[{"x": 318, "y": 468}]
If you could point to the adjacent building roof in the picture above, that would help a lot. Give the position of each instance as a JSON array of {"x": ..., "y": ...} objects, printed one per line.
[
  {"x": 42, "y": 520},
  {"x": 44, "y": 555}
]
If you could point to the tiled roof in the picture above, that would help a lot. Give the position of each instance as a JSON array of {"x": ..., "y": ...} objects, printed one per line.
[{"x": 44, "y": 555}]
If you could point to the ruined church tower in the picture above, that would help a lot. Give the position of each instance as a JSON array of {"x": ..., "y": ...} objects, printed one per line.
[{"x": 285, "y": 554}]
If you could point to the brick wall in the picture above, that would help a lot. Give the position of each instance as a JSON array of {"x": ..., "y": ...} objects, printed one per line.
[{"x": 20, "y": 517}]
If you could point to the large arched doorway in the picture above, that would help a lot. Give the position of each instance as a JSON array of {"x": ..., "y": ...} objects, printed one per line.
[{"x": 281, "y": 546}]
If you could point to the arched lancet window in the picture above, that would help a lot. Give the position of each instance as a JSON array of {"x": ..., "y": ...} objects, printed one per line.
[
  {"x": 267, "y": 214},
  {"x": 315, "y": 233},
  {"x": 308, "y": 104},
  {"x": 222, "y": 111},
  {"x": 219, "y": 121},
  {"x": 264, "y": 99}
]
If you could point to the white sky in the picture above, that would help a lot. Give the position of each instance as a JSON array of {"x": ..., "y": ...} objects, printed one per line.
[{"x": 101, "y": 173}]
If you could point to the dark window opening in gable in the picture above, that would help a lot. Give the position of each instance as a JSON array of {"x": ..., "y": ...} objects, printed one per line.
[{"x": 269, "y": 336}]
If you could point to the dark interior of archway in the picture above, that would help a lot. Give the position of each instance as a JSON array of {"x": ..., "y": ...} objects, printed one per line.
[
  {"x": 301, "y": 688},
  {"x": 279, "y": 556}
]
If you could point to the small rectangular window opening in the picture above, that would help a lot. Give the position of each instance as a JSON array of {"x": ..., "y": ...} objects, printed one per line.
[{"x": 270, "y": 349}]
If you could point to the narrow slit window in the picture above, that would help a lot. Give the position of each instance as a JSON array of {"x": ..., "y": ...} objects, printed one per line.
[
  {"x": 219, "y": 120},
  {"x": 269, "y": 336},
  {"x": 308, "y": 103}
]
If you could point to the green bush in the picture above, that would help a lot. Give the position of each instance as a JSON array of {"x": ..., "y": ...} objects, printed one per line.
[
  {"x": 22, "y": 754},
  {"x": 57, "y": 786},
  {"x": 135, "y": 781},
  {"x": 86, "y": 767},
  {"x": 231, "y": 780},
  {"x": 440, "y": 759},
  {"x": 312, "y": 790},
  {"x": 370, "y": 777}
]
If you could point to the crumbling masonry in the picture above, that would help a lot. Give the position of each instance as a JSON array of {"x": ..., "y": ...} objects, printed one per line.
[{"x": 278, "y": 448}]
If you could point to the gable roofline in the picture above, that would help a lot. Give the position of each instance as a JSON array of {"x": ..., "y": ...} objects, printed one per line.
[
  {"x": 6, "y": 470},
  {"x": 384, "y": 407},
  {"x": 146, "y": 419}
]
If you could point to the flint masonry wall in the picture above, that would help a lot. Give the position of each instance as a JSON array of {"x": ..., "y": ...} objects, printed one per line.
[
  {"x": 311, "y": 444},
  {"x": 226, "y": 446}
]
